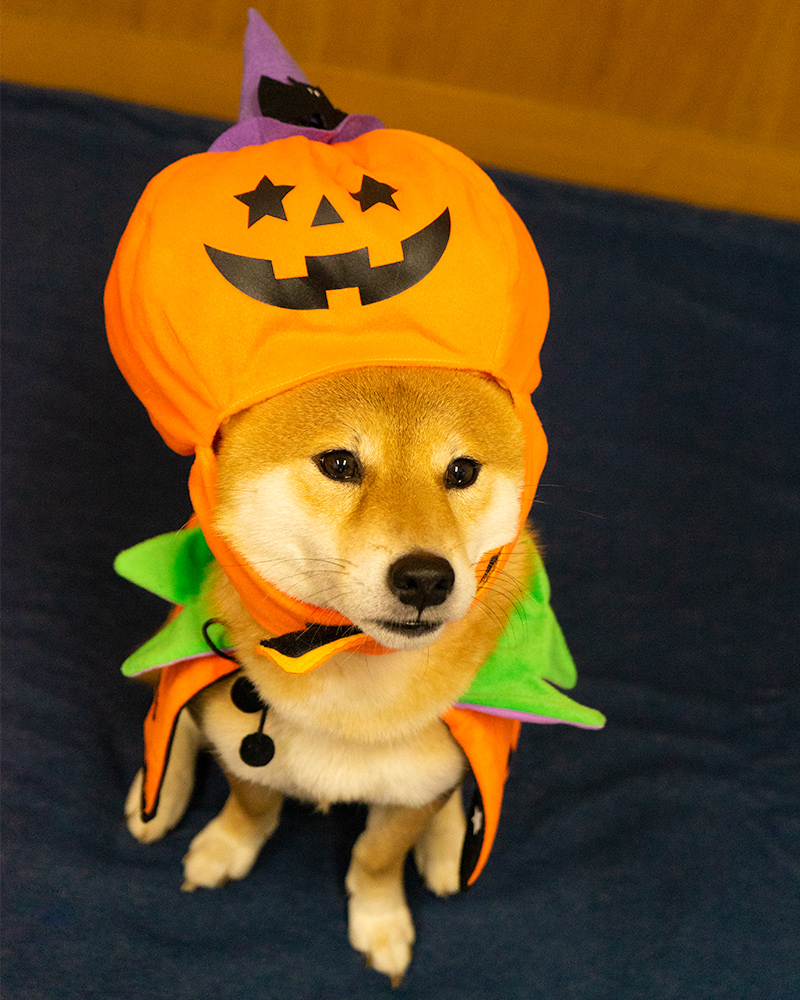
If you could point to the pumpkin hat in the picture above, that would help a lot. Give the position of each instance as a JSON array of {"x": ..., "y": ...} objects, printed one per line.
[{"x": 307, "y": 242}]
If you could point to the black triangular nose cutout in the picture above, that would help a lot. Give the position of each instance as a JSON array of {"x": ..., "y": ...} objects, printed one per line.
[{"x": 326, "y": 214}]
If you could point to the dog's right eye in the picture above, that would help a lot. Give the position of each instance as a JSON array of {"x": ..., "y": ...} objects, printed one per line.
[
  {"x": 341, "y": 466},
  {"x": 461, "y": 473}
]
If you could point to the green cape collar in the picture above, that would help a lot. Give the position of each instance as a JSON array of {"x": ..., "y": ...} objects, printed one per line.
[{"x": 516, "y": 680}]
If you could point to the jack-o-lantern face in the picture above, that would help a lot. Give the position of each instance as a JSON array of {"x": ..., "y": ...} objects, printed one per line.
[{"x": 255, "y": 276}]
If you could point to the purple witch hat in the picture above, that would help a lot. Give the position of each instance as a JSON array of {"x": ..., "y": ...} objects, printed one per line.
[{"x": 277, "y": 100}]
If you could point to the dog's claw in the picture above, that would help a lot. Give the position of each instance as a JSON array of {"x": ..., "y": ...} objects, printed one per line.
[{"x": 394, "y": 979}]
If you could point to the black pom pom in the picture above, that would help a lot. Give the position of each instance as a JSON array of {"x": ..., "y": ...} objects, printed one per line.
[
  {"x": 257, "y": 749},
  {"x": 245, "y": 697}
]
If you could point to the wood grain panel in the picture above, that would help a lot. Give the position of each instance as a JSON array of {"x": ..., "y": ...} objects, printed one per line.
[{"x": 694, "y": 99}]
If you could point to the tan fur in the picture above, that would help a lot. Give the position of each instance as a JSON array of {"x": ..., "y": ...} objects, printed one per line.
[{"x": 359, "y": 728}]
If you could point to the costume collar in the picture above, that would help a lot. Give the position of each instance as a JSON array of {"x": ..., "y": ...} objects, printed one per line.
[
  {"x": 519, "y": 680},
  {"x": 176, "y": 567}
]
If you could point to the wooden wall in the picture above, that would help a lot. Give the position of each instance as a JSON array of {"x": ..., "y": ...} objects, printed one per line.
[{"x": 691, "y": 99}]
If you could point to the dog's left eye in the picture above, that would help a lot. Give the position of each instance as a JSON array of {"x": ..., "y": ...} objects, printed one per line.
[
  {"x": 461, "y": 472},
  {"x": 341, "y": 466}
]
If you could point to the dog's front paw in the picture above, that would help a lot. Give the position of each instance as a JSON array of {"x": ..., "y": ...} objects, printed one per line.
[
  {"x": 217, "y": 855},
  {"x": 384, "y": 936}
]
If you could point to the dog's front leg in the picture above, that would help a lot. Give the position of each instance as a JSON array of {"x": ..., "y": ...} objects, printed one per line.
[
  {"x": 437, "y": 851},
  {"x": 380, "y": 922},
  {"x": 227, "y": 847}
]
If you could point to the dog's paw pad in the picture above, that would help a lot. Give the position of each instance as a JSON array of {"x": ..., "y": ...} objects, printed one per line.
[
  {"x": 384, "y": 937},
  {"x": 215, "y": 857}
]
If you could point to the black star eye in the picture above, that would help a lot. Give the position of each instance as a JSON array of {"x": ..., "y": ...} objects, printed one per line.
[
  {"x": 461, "y": 473},
  {"x": 341, "y": 466},
  {"x": 266, "y": 198},
  {"x": 374, "y": 193}
]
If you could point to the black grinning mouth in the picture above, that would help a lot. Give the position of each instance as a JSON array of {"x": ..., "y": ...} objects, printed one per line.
[{"x": 256, "y": 276}]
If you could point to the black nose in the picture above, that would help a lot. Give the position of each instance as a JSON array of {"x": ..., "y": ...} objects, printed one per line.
[{"x": 421, "y": 579}]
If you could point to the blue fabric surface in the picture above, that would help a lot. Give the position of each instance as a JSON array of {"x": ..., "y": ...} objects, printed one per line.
[{"x": 658, "y": 859}]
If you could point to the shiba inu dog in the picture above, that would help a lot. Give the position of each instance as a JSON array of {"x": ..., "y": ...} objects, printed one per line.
[
  {"x": 341, "y": 323},
  {"x": 374, "y": 493}
]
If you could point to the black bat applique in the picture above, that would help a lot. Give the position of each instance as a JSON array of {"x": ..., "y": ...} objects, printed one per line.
[{"x": 297, "y": 103}]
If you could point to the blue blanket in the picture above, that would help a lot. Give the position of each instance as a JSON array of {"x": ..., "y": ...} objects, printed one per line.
[{"x": 658, "y": 859}]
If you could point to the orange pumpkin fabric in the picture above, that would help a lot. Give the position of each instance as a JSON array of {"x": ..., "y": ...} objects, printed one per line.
[{"x": 197, "y": 345}]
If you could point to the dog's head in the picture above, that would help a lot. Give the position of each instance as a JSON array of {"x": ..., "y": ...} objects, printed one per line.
[{"x": 375, "y": 493}]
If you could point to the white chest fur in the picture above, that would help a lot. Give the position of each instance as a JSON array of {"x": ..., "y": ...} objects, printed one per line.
[{"x": 314, "y": 764}]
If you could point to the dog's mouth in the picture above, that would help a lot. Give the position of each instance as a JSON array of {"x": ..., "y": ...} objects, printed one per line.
[{"x": 409, "y": 628}]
